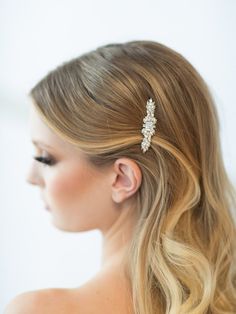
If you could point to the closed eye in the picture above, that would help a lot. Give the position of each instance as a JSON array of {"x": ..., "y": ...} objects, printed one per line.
[{"x": 45, "y": 160}]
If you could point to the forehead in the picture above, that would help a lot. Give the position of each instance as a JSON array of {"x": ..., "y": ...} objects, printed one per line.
[
  {"x": 39, "y": 130},
  {"x": 42, "y": 135}
]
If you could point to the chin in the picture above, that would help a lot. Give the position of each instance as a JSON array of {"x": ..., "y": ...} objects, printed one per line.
[{"x": 67, "y": 227}]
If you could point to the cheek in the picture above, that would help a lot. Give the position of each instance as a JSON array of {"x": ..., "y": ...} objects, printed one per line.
[
  {"x": 65, "y": 186},
  {"x": 79, "y": 199}
]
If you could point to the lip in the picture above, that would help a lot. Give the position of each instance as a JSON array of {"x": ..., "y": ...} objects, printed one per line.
[{"x": 46, "y": 206}]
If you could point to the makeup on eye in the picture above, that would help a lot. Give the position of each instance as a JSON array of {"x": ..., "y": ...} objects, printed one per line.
[{"x": 49, "y": 161}]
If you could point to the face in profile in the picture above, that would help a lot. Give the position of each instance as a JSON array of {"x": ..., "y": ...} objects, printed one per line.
[{"x": 77, "y": 194}]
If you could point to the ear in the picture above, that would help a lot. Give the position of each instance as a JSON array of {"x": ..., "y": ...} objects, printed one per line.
[{"x": 128, "y": 178}]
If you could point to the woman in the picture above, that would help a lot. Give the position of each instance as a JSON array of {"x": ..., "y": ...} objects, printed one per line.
[{"x": 133, "y": 150}]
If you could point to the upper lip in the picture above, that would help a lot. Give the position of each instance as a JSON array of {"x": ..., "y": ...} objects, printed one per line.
[
  {"x": 46, "y": 206},
  {"x": 44, "y": 202}
]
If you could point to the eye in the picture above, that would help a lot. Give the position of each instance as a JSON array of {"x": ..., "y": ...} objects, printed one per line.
[{"x": 45, "y": 160}]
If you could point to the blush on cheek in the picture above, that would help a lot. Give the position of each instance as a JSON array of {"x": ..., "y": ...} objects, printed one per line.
[
  {"x": 67, "y": 186},
  {"x": 75, "y": 198},
  {"x": 79, "y": 199}
]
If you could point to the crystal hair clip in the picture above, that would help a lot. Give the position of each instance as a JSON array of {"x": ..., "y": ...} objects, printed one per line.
[{"x": 149, "y": 124}]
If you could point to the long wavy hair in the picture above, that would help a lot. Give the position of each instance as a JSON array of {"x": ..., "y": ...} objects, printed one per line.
[{"x": 182, "y": 256}]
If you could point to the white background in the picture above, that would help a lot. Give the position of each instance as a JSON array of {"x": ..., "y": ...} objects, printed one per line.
[{"x": 36, "y": 36}]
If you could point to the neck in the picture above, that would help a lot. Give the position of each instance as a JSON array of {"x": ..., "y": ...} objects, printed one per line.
[{"x": 117, "y": 240}]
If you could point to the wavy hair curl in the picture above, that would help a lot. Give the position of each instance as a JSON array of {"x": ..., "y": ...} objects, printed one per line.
[{"x": 182, "y": 257}]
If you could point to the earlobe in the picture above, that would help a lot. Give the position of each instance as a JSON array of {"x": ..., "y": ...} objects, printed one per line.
[{"x": 127, "y": 180}]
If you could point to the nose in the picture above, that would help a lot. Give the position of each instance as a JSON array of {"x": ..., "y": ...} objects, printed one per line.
[
  {"x": 29, "y": 179},
  {"x": 32, "y": 177}
]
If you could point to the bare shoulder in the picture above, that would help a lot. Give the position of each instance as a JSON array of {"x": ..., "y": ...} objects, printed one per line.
[
  {"x": 104, "y": 294},
  {"x": 100, "y": 295},
  {"x": 53, "y": 300}
]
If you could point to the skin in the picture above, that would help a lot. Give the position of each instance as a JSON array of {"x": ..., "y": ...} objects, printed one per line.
[{"x": 82, "y": 197}]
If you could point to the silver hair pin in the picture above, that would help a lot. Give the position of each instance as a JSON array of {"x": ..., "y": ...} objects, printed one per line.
[{"x": 149, "y": 124}]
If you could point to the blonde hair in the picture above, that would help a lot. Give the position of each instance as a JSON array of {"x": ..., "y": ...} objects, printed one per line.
[{"x": 182, "y": 258}]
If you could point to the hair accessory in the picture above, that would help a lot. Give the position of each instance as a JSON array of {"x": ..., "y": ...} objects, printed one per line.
[{"x": 149, "y": 124}]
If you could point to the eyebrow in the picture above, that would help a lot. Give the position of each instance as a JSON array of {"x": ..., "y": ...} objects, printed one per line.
[{"x": 38, "y": 143}]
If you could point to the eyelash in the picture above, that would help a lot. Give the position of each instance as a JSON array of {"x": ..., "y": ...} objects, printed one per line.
[{"x": 45, "y": 160}]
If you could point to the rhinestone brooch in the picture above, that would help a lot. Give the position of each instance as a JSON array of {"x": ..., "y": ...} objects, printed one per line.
[{"x": 149, "y": 124}]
